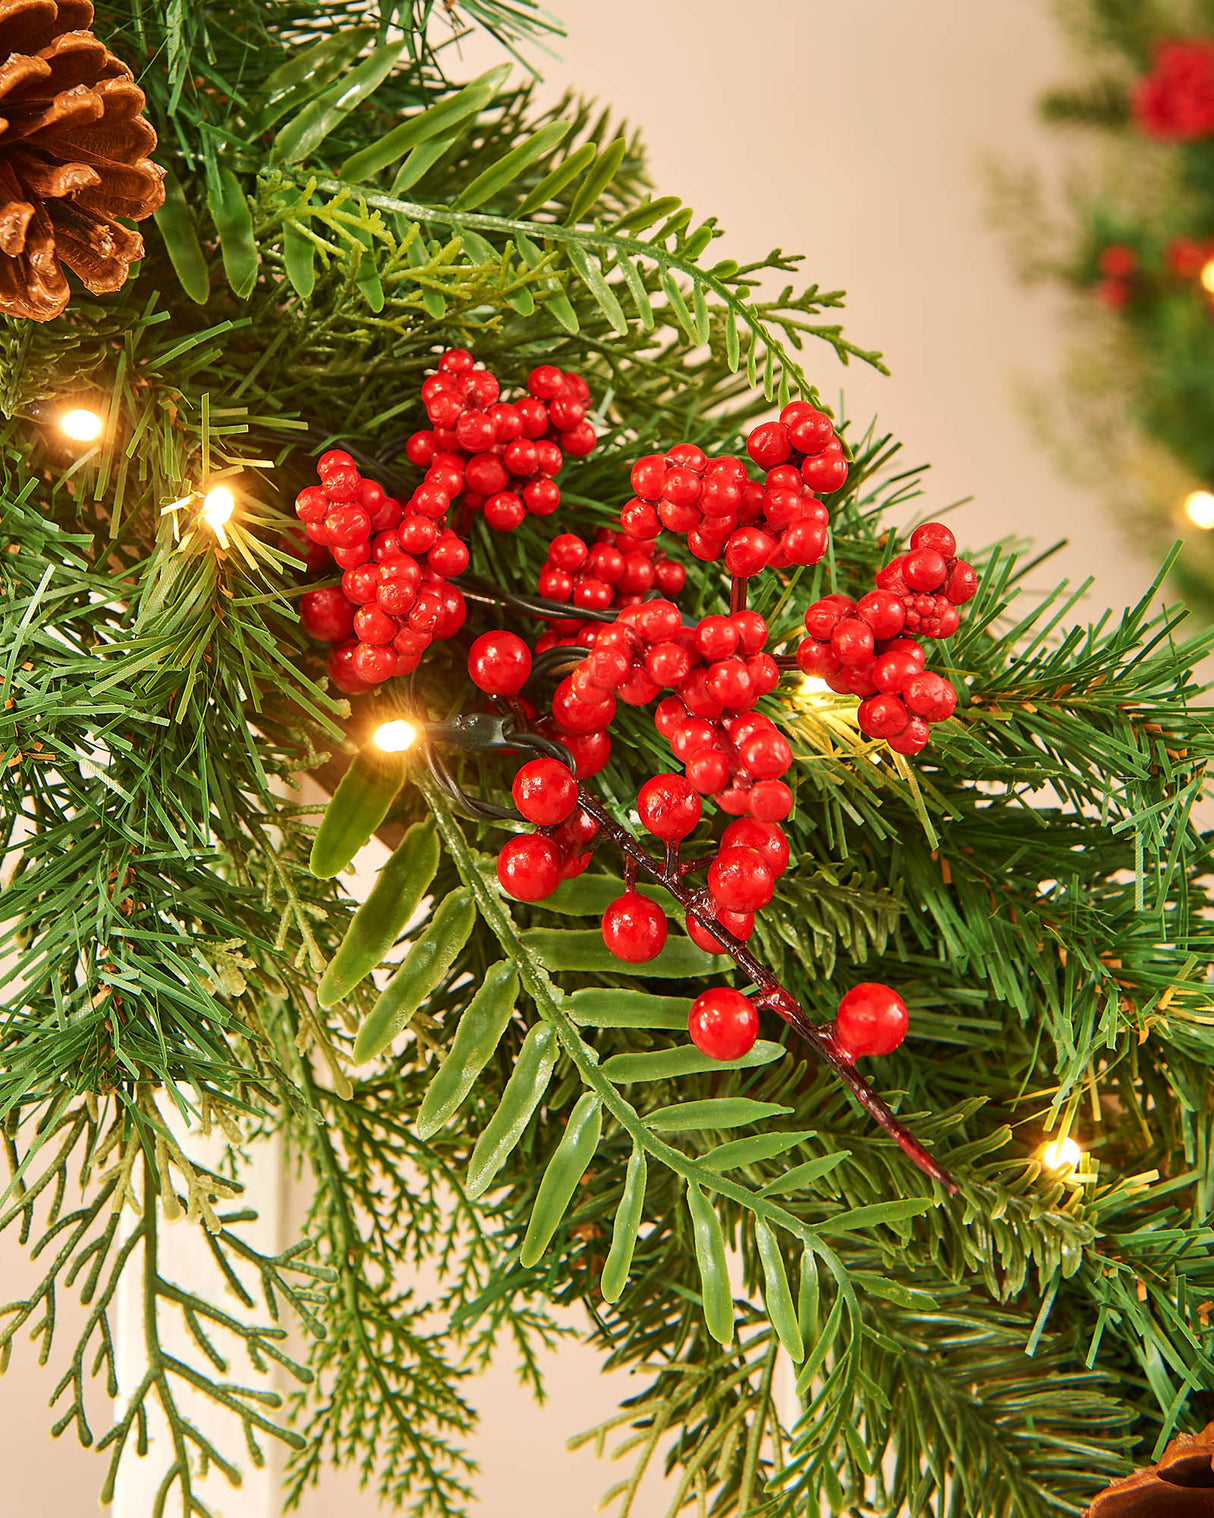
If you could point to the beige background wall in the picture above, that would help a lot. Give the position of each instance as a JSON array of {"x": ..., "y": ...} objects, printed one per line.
[{"x": 850, "y": 131}]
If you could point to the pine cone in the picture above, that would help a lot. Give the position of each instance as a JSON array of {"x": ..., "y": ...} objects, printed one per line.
[
  {"x": 73, "y": 158},
  {"x": 1180, "y": 1486}
]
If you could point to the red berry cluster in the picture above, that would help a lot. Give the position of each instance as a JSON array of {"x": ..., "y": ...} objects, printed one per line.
[
  {"x": 508, "y": 453},
  {"x": 530, "y": 866},
  {"x": 613, "y": 571},
  {"x": 394, "y": 599},
  {"x": 871, "y": 1020},
  {"x": 725, "y": 514},
  {"x": 863, "y": 648},
  {"x": 1175, "y": 101}
]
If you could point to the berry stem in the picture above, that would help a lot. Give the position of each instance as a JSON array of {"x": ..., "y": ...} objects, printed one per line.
[
  {"x": 770, "y": 992},
  {"x": 737, "y": 594}
]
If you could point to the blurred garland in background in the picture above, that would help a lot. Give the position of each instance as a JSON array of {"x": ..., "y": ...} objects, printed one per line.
[{"x": 1136, "y": 245}]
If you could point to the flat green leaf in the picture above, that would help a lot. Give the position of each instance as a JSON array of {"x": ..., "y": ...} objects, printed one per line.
[
  {"x": 299, "y": 260},
  {"x": 606, "y": 167},
  {"x": 591, "y": 895},
  {"x": 367, "y": 278},
  {"x": 668, "y": 1064},
  {"x": 608, "y": 1007},
  {"x": 716, "y": 1295},
  {"x": 357, "y": 807},
  {"x": 552, "y": 184},
  {"x": 751, "y": 1151},
  {"x": 626, "y": 1227},
  {"x": 397, "y": 893},
  {"x": 560, "y": 1180},
  {"x": 895, "y": 1210},
  {"x": 733, "y": 344},
  {"x": 524, "y": 1090},
  {"x": 592, "y": 277},
  {"x": 419, "y": 163},
  {"x": 419, "y": 973},
  {"x": 441, "y": 120},
  {"x": 584, "y": 950},
  {"x": 234, "y": 222},
  {"x": 806, "y": 1174},
  {"x": 480, "y": 1030},
  {"x": 305, "y": 132},
  {"x": 636, "y": 287},
  {"x": 646, "y": 214},
  {"x": 808, "y": 1293},
  {"x": 498, "y": 175},
  {"x": 712, "y": 1112},
  {"x": 777, "y": 1297},
  {"x": 678, "y": 306},
  {"x": 893, "y": 1291},
  {"x": 175, "y": 223},
  {"x": 297, "y": 81}
]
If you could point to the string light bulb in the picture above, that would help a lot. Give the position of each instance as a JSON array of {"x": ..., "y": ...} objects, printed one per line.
[
  {"x": 1207, "y": 277},
  {"x": 812, "y": 689},
  {"x": 81, "y": 425},
  {"x": 1061, "y": 1154},
  {"x": 395, "y": 737},
  {"x": 1199, "y": 508},
  {"x": 217, "y": 507}
]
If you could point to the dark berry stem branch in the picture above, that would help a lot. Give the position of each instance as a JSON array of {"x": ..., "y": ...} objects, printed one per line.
[{"x": 770, "y": 993}]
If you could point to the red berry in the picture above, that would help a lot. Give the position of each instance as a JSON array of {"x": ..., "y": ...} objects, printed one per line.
[
  {"x": 634, "y": 928},
  {"x": 764, "y": 837},
  {"x": 640, "y": 520},
  {"x": 590, "y": 751},
  {"x": 546, "y": 382},
  {"x": 924, "y": 570},
  {"x": 647, "y": 477},
  {"x": 824, "y": 616},
  {"x": 347, "y": 525},
  {"x": 671, "y": 576},
  {"x": 449, "y": 556},
  {"x": 872, "y": 1019},
  {"x": 723, "y": 1023},
  {"x": 882, "y": 716},
  {"x": 335, "y": 458},
  {"x": 770, "y": 801},
  {"x": 669, "y": 807},
  {"x": 311, "y": 504},
  {"x": 766, "y": 755},
  {"x": 768, "y": 444},
  {"x": 341, "y": 484},
  {"x": 340, "y": 665},
  {"x": 668, "y": 664},
  {"x": 658, "y": 621},
  {"x": 374, "y": 663},
  {"x": 729, "y": 681},
  {"x": 740, "y": 880},
  {"x": 541, "y": 497},
  {"x": 669, "y": 715},
  {"x": 826, "y": 471},
  {"x": 883, "y": 612},
  {"x": 935, "y": 535},
  {"x": 811, "y": 432},
  {"x": 893, "y": 669},
  {"x": 716, "y": 637},
  {"x": 708, "y": 772},
  {"x": 912, "y": 739},
  {"x": 499, "y": 663},
  {"x": 853, "y": 641},
  {"x": 930, "y": 695},
  {"x": 567, "y": 551},
  {"x": 748, "y": 551},
  {"x": 326, "y": 614},
  {"x": 545, "y": 792},
  {"x": 962, "y": 583},
  {"x": 529, "y": 867}
]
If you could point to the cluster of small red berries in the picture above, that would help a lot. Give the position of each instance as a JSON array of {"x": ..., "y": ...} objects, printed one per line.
[
  {"x": 530, "y": 866},
  {"x": 726, "y": 515},
  {"x": 396, "y": 560},
  {"x": 864, "y": 648},
  {"x": 613, "y": 571},
  {"x": 508, "y": 453}
]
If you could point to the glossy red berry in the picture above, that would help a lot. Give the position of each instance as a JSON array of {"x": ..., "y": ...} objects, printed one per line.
[
  {"x": 764, "y": 837},
  {"x": 529, "y": 867},
  {"x": 935, "y": 535},
  {"x": 669, "y": 807},
  {"x": 769, "y": 444},
  {"x": 924, "y": 570},
  {"x": 770, "y": 800},
  {"x": 545, "y": 792},
  {"x": 723, "y": 1023},
  {"x": 499, "y": 663},
  {"x": 634, "y": 928},
  {"x": 930, "y": 695},
  {"x": 872, "y": 1019},
  {"x": 882, "y": 716},
  {"x": 740, "y": 880},
  {"x": 590, "y": 751},
  {"x": 326, "y": 614}
]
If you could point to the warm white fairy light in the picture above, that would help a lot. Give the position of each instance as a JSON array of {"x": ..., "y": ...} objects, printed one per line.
[
  {"x": 1207, "y": 277},
  {"x": 217, "y": 507},
  {"x": 813, "y": 689},
  {"x": 395, "y": 737},
  {"x": 81, "y": 425},
  {"x": 1199, "y": 508},
  {"x": 1061, "y": 1155}
]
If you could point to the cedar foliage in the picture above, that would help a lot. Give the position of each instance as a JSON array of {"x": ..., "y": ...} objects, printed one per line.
[{"x": 340, "y": 211}]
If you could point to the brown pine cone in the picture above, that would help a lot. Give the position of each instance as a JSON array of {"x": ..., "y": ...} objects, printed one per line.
[
  {"x": 1180, "y": 1486},
  {"x": 73, "y": 158}
]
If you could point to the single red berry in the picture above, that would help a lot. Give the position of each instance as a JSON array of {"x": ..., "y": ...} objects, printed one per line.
[
  {"x": 764, "y": 673},
  {"x": 930, "y": 695},
  {"x": 937, "y": 536},
  {"x": 449, "y": 556},
  {"x": 541, "y": 497},
  {"x": 853, "y": 641},
  {"x": 312, "y": 504},
  {"x": 374, "y": 625},
  {"x": 818, "y": 660},
  {"x": 824, "y": 616},
  {"x": 882, "y": 716},
  {"x": 766, "y": 755},
  {"x": 634, "y": 928},
  {"x": 590, "y": 751},
  {"x": 924, "y": 570},
  {"x": 883, "y": 612},
  {"x": 359, "y": 585},
  {"x": 962, "y": 583},
  {"x": 647, "y": 477},
  {"x": 893, "y": 669},
  {"x": 769, "y": 445},
  {"x": 748, "y": 551},
  {"x": 545, "y": 792},
  {"x": 669, "y": 807},
  {"x": 723, "y": 1023},
  {"x": 658, "y": 621},
  {"x": 529, "y": 867},
  {"x": 825, "y": 472},
  {"x": 341, "y": 485},
  {"x": 374, "y": 663},
  {"x": 764, "y": 837},
  {"x": 708, "y": 772},
  {"x": 740, "y": 880},
  {"x": 716, "y": 637},
  {"x": 505, "y": 511},
  {"x": 340, "y": 665},
  {"x": 729, "y": 681},
  {"x": 872, "y": 1019},
  {"x": 669, "y": 715},
  {"x": 545, "y": 382},
  {"x": 912, "y": 739},
  {"x": 335, "y": 458},
  {"x": 499, "y": 663},
  {"x": 347, "y": 525},
  {"x": 670, "y": 576},
  {"x": 811, "y": 432},
  {"x": 770, "y": 801},
  {"x": 668, "y": 664},
  {"x": 567, "y": 551},
  {"x": 640, "y": 520},
  {"x": 326, "y": 614}
]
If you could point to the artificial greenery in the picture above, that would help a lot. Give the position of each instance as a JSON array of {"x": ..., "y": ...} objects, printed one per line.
[
  {"x": 339, "y": 212},
  {"x": 1131, "y": 410}
]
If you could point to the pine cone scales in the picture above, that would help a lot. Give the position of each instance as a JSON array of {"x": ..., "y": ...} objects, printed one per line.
[{"x": 73, "y": 158}]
